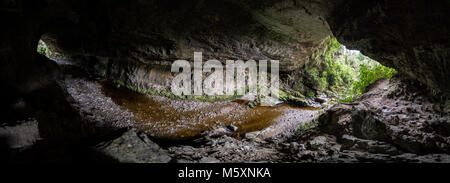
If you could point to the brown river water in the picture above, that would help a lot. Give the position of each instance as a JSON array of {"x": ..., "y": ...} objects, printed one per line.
[{"x": 175, "y": 119}]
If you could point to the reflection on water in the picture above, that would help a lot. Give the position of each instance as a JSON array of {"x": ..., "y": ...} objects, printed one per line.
[{"x": 167, "y": 119}]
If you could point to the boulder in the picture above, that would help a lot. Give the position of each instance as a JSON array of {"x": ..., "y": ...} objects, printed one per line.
[
  {"x": 381, "y": 119},
  {"x": 133, "y": 148}
]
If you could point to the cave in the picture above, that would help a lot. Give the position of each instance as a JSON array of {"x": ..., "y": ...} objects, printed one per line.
[{"x": 92, "y": 81}]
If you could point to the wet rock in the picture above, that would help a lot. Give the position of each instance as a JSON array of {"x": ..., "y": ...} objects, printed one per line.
[
  {"x": 248, "y": 97},
  {"x": 232, "y": 127},
  {"x": 379, "y": 121},
  {"x": 252, "y": 135},
  {"x": 366, "y": 125},
  {"x": 216, "y": 132},
  {"x": 320, "y": 100},
  {"x": 131, "y": 148}
]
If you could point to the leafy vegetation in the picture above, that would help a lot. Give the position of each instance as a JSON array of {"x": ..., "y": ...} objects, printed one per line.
[
  {"x": 345, "y": 72},
  {"x": 290, "y": 95},
  {"x": 305, "y": 127},
  {"x": 43, "y": 49},
  {"x": 330, "y": 73},
  {"x": 367, "y": 75}
]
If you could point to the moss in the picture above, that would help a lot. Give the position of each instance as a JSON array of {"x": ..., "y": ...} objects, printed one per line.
[
  {"x": 205, "y": 98},
  {"x": 306, "y": 127},
  {"x": 284, "y": 95},
  {"x": 167, "y": 94},
  {"x": 327, "y": 71},
  {"x": 43, "y": 49},
  {"x": 310, "y": 94},
  {"x": 330, "y": 102},
  {"x": 291, "y": 96},
  {"x": 251, "y": 104},
  {"x": 346, "y": 74}
]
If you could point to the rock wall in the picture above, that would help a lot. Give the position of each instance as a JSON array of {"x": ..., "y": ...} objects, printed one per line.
[
  {"x": 411, "y": 36},
  {"x": 148, "y": 31},
  {"x": 125, "y": 39},
  {"x": 391, "y": 112}
]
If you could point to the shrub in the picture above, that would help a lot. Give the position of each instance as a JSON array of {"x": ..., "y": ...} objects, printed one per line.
[
  {"x": 347, "y": 74},
  {"x": 318, "y": 80},
  {"x": 305, "y": 127},
  {"x": 335, "y": 74},
  {"x": 368, "y": 75}
]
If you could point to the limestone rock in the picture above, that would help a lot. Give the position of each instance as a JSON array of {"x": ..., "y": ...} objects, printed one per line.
[
  {"x": 131, "y": 148},
  {"x": 380, "y": 117}
]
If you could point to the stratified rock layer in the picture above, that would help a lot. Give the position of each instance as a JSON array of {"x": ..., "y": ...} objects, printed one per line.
[
  {"x": 411, "y": 36},
  {"x": 389, "y": 119}
]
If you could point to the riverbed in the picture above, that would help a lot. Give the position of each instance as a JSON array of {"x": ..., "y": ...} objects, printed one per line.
[{"x": 170, "y": 119}]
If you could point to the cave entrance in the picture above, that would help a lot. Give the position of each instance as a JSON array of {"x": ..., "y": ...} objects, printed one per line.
[
  {"x": 43, "y": 49},
  {"x": 340, "y": 73},
  {"x": 47, "y": 46},
  {"x": 366, "y": 71},
  {"x": 173, "y": 118}
]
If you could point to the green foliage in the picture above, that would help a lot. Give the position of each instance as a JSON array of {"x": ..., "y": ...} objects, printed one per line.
[
  {"x": 290, "y": 95},
  {"x": 319, "y": 80},
  {"x": 310, "y": 94},
  {"x": 42, "y": 49},
  {"x": 331, "y": 73},
  {"x": 368, "y": 75},
  {"x": 338, "y": 75},
  {"x": 347, "y": 74}
]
